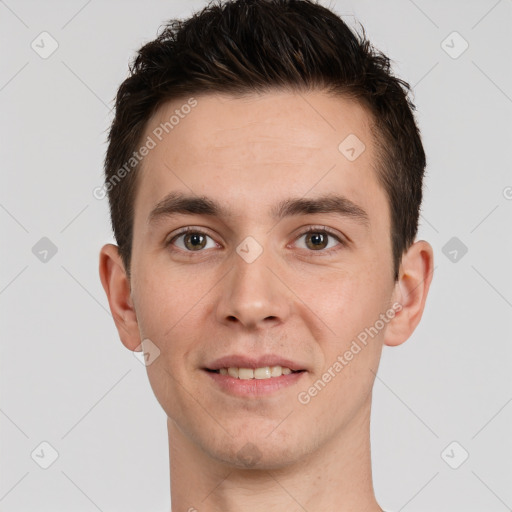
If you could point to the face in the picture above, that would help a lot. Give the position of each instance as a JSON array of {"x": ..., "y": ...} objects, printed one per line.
[{"x": 250, "y": 283}]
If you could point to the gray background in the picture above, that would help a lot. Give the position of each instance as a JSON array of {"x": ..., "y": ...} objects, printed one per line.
[{"x": 66, "y": 378}]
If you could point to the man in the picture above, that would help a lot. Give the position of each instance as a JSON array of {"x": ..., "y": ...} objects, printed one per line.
[{"x": 264, "y": 172}]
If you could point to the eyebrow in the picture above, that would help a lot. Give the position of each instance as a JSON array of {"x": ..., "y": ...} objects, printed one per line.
[{"x": 177, "y": 203}]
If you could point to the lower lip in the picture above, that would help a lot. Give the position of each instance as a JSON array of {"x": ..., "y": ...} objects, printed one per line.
[{"x": 254, "y": 387}]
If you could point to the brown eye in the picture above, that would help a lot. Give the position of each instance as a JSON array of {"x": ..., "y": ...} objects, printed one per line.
[
  {"x": 194, "y": 241},
  {"x": 316, "y": 240},
  {"x": 191, "y": 241}
]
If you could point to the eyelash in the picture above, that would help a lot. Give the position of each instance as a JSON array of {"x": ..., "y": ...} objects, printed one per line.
[{"x": 312, "y": 229}]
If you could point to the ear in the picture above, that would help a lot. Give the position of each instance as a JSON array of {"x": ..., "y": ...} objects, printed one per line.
[
  {"x": 117, "y": 287},
  {"x": 411, "y": 289}
]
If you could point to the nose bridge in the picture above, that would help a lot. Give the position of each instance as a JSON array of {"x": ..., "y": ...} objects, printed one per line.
[{"x": 252, "y": 293}]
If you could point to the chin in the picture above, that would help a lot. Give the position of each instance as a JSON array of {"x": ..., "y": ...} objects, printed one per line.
[{"x": 259, "y": 453}]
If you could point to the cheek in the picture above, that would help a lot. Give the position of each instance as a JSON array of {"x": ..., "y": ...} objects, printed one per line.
[
  {"x": 351, "y": 306},
  {"x": 167, "y": 299},
  {"x": 351, "y": 347},
  {"x": 347, "y": 300},
  {"x": 167, "y": 315}
]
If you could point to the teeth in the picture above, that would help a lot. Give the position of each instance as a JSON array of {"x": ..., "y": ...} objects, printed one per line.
[
  {"x": 266, "y": 372},
  {"x": 245, "y": 373},
  {"x": 262, "y": 373},
  {"x": 276, "y": 371}
]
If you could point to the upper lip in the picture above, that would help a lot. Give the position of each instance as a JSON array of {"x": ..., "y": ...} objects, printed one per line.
[{"x": 243, "y": 361}]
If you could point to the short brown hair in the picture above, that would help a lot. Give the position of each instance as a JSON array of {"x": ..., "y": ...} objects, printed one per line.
[{"x": 243, "y": 46}]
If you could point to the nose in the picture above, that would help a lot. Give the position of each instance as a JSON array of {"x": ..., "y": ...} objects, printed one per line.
[{"x": 253, "y": 294}]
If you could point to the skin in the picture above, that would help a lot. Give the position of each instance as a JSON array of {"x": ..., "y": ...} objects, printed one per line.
[{"x": 250, "y": 153}]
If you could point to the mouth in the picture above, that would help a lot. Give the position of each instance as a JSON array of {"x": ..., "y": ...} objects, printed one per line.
[
  {"x": 252, "y": 380},
  {"x": 254, "y": 376},
  {"x": 261, "y": 373}
]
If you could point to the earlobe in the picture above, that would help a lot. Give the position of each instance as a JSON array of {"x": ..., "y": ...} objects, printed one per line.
[
  {"x": 411, "y": 290},
  {"x": 117, "y": 287}
]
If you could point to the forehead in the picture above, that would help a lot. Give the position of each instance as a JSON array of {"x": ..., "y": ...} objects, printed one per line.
[
  {"x": 259, "y": 149},
  {"x": 275, "y": 121}
]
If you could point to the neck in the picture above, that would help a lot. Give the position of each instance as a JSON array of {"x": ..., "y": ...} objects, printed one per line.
[{"x": 337, "y": 476}]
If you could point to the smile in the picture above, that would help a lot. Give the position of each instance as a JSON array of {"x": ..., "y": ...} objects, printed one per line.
[
  {"x": 265, "y": 372},
  {"x": 254, "y": 382}
]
